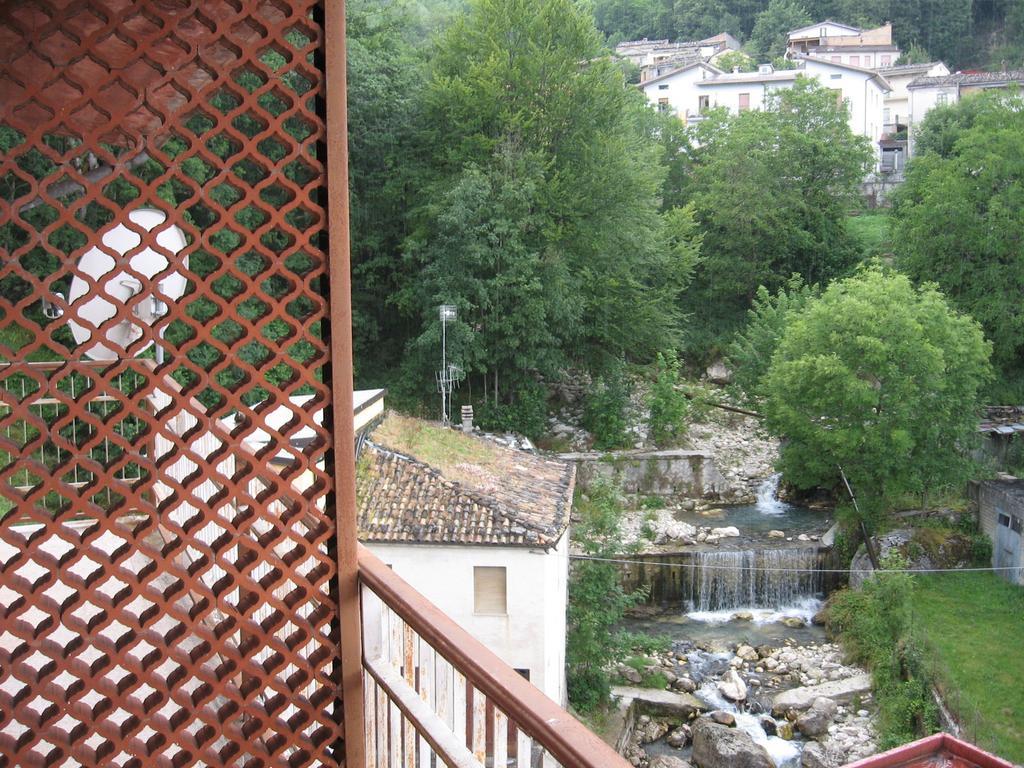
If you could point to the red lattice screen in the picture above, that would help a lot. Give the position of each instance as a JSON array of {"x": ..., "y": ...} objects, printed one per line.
[{"x": 166, "y": 564}]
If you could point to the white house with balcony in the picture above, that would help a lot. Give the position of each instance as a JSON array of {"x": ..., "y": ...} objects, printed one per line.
[
  {"x": 482, "y": 531},
  {"x": 843, "y": 44},
  {"x": 690, "y": 90}
]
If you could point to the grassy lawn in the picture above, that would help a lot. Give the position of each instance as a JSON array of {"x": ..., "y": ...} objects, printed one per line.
[
  {"x": 872, "y": 229},
  {"x": 974, "y": 622}
]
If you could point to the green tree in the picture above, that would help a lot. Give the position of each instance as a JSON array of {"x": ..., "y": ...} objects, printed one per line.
[
  {"x": 881, "y": 379},
  {"x": 943, "y": 126},
  {"x": 750, "y": 352},
  {"x": 605, "y": 413},
  {"x": 736, "y": 61},
  {"x": 528, "y": 77},
  {"x": 771, "y": 189},
  {"x": 667, "y": 404},
  {"x": 597, "y": 601},
  {"x": 770, "y": 35},
  {"x": 958, "y": 221}
]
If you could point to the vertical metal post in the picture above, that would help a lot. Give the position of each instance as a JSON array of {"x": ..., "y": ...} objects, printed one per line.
[
  {"x": 444, "y": 366},
  {"x": 341, "y": 378}
]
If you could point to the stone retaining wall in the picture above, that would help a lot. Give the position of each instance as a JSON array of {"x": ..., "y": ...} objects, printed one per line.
[{"x": 674, "y": 473}]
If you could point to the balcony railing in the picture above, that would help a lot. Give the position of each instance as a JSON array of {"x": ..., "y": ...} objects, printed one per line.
[{"x": 433, "y": 695}]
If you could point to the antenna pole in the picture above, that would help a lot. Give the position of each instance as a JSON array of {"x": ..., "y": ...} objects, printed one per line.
[{"x": 444, "y": 367}]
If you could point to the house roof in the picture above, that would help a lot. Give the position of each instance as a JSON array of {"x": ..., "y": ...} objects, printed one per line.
[
  {"x": 667, "y": 75},
  {"x": 819, "y": 25},
  {"x": 751, "y": 77},
  {"x": 908, "y": 69},
  {"x": 871, "y": 73},
  {"x": 961, "y": 79},
  {"x": 473, "y": 491},
  {"x": 854, "y": 47}
]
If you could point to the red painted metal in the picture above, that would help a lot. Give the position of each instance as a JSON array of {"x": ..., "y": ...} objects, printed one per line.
[
  {"x": 937, "y": 749},
  {"x": 165, "y": 597}
]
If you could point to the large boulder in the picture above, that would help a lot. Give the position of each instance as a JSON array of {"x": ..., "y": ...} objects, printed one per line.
[
  {"x": 839, "y": 691},
  {"x": 920, "y": 548},
  {"x": 715, "y": 746},
  {"x": 816, "y": 720}
]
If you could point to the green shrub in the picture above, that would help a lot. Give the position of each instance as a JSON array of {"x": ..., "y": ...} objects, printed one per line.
[
  {"x": 874, "y": 626},
  {"x": 652, "y": 502},
  {"x": 597, "y": 601},
  {"x": 667, "y": 404},
  {"x": 605, "y": 413},
  {"x": 526, "y": 414},
  {"x": 981, "y": 550}
]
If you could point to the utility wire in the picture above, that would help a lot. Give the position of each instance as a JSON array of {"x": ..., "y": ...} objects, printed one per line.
[{"x": 770, "y": 569}]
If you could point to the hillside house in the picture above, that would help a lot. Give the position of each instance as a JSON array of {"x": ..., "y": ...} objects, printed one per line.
[
  {"x": 896, "y": 113},
  {"x": 842, "y": 44},
  {"x": 688, "y": 91},
  {"x": 481, "y": 530},
  {"x": 929, "y": 92}
]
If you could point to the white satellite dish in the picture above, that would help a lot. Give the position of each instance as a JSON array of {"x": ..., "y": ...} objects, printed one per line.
[{"x": 119, "y": 287}]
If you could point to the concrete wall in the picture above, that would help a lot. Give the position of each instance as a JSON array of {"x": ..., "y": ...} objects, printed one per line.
[
  {"x": 1001, "y": 516},
  {"x": 531, "y": 635},
  {"x": 877, "y": 188},
  {"x": 690, "y": 474}
]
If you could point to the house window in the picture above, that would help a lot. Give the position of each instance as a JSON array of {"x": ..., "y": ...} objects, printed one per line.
[
  {"x": 703, "y": 102},
  {"x": 885, "y": 116},
  {"x": 837, "y": 77},
  {"x": 867, "y": 61},
  {"x": 524, "y": 673},
  {"x": 886, "y": 61},
  {"x": 663, "y": 105},
  {"x": 942, "y": 99},
  {"x": 855, "y": 61},
  {"x": 744, "y": 102},
  {"x": 663, "y": 87},
  {"x": 1004, "y": 520},
  {"x": 837, "y": 59},
  {"x": 489, "y": 595}
]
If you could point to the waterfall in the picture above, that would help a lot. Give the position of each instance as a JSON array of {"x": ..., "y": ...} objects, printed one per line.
[
  {"x": 768, "y": 496},
  {"x": 752, "y": 578}
]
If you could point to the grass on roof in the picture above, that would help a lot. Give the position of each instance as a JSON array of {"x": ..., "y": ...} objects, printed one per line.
[
  {"x": 458, "y": 456},
  {"x": 973, "y": 624}
]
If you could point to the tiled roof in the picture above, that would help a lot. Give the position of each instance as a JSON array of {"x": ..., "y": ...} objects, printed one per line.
[
  {"x": 970, "y": 78},
  {"x": 512, "y": 498},
  {"x": 908, "y": 69}
]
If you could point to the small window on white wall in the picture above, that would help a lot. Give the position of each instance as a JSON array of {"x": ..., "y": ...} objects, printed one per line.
[{"x": 489, "y": 592}]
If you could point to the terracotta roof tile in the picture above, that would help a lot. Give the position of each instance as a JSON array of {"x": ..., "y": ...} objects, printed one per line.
[{"x": 512, "y": 498}]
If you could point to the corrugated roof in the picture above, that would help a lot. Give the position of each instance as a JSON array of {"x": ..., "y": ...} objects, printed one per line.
[{"x": 509, "y": 497}]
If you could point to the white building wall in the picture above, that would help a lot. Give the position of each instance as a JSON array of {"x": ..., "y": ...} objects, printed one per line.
[
  {"x": 862, "y": 93},
  {"x": 532, "y": 633},
  {"x": 922, "y": 101},
  {"x": 726, "y": 94},
  {"x": 680, "y": 89}
]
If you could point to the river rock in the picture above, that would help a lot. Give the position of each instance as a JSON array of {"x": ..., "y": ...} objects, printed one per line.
[
  {"x": 651, "y": 731},
  {"x": 718, "y": 372},
  {"x": 728, "y": 531},
  {"x": 743, "y": 616},
  {"x": 816, "y": 720},
  {"x": 715, "y": 746},
  {"x": 732, "y": 686},
  {"x": 668, "y": 761},
  {"x": 794, "y": 622},
  {"x": 685, "y": 684},
  {"x": 816, "y": 756},
  {"x": 722, "y": 717},
  {"x": 746, "y": 653},
  {"x": 679, "y": 737},
  {"x": 630, "y": 675},
  {"x": 678, "y": 706},
  {"x": 799, "y": 699},
  {"x": 773, "y": 534}
]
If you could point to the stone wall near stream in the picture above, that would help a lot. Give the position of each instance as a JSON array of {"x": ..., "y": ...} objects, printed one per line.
[{"x": 672, "y": 473}]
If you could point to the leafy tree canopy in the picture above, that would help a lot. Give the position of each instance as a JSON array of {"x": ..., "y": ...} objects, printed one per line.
[
  {"x": 736, "y": 61},
  {"x": 958, "y": 221},
  {"x": 771, "y": 189},
  {"x": 882, "y": 379},
  {"x": 770, "y": 34}
]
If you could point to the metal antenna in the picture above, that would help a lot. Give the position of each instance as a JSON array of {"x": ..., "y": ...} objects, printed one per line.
[{"x": 450, "y": 375}]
